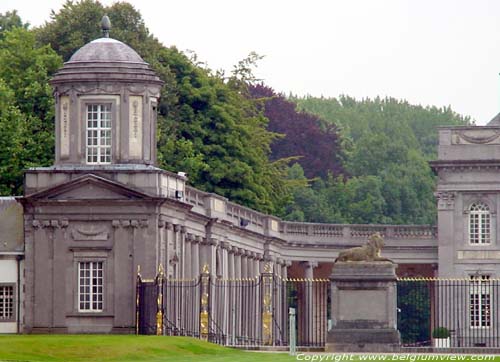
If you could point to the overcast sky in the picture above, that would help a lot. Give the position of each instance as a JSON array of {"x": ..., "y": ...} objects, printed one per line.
[{"x": 429, "y": 52}]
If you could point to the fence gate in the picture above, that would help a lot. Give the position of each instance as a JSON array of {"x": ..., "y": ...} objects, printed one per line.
[
  {"x": 311, "y": 300},
  {"x": 182, "y": 307},
  {"x": 234, "y": 312},
  {"x": 149, "y": 304}
]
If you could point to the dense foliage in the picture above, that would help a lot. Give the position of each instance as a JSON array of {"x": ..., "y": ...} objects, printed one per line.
[
  {"x": 26, "y": 106},
  {"x": 398, "y": 119},
  {"x": 387, "y": 144},
  {"x": 314, "y": 143}
]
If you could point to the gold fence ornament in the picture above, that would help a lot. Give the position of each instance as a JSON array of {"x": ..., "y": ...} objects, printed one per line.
[
  {"x": 159, "y": 301},
  {"x": 204, "y": 301},
  {"x": 267, "y": 309}
]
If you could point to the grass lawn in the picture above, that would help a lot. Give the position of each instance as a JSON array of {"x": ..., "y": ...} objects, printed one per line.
[
  {"x": 129, "y": 348},
  {"x": 113, "y": 348}
]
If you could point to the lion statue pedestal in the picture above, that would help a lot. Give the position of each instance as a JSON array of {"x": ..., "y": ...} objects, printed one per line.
[{"x": 364, "y": 312}]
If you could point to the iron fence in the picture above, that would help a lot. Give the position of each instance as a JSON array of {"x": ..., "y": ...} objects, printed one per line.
[
  {"x": 449, "y": 312},
  {"x": 182, "y": 307},
  {"x": 311, "y": 300},
  {"x": 235, "y": 312},
  {"x": 254, "y": 311}
]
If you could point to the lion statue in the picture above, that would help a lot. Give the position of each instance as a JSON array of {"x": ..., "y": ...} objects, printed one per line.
[{"x": 368, "y": 252}]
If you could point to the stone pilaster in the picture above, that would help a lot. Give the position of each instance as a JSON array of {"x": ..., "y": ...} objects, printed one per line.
[
  {"x": 195, "y": 257},
  {"x": 231, "y": 263},
  {"x": 177, "y": 257},
  {"x": 243, "y": 263},
  {"x": 182, "y": 252},
  {"x": 307, "y": 325},
  {"x": 237, "y": 262},
  {"x": 225, "y": 247},
  {"x": 284, "y": 270},
  {"x": 187, "y": 258},
  {"x": 257, "y": 262},
  {"x": 169, "y": 250},
  {"x": 212, "y": 255}
]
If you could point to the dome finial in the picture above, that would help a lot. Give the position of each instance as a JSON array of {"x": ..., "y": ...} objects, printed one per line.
[{"x": 105, "y": 26}]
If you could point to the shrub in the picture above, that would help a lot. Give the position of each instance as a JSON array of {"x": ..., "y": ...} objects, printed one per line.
[{"x": 440, "y": 332}]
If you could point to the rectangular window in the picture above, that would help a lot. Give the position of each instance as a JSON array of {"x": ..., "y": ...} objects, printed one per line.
[
  {"x": 98, "y": 133},
  {"x": 480, "y": 301},
  {"x": 479, "y": 224},
  {"x": 6, "y": 302},
  {"x": 90, "y": 286}
]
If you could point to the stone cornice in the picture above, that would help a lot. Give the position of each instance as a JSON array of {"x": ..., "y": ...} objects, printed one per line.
[{"x": 461, "y": 165}]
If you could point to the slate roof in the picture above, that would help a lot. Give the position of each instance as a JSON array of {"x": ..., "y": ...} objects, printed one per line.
[
  {"x": 495, "y": 121},
  {"x": 11, "y": 226}
]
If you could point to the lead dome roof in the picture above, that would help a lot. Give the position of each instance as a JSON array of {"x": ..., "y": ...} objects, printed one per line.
[
  {"x": 105, "y": 60},
  {"x": 106, "y": 50}
]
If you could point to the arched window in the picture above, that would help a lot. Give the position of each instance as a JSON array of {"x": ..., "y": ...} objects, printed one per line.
[{"x": 479, "y": 223}]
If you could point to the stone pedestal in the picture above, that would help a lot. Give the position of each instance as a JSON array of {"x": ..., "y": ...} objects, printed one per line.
[{"x": 364, "y": 315}]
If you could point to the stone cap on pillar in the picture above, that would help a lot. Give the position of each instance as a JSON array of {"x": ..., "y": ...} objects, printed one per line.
[
  {"x": 272, "y": 226},
  {"x": 215, "y": 206},
  {"x": 364, "y": 271}
]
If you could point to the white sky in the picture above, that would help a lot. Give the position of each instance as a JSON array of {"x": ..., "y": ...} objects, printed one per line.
[{"x": 430, "y": 52}]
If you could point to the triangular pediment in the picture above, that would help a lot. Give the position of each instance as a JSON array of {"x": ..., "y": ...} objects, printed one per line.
[
  {"x": 495, "y": 121},
  {"x": 90, "y": 187}
]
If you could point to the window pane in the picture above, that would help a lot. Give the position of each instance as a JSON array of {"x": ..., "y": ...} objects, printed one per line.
[
  {"x": 99, "y": 133},
  {"x": 479, "y": 223},
  {"x": 90, "y": 281},
  {"x": 6, "y": 302}
]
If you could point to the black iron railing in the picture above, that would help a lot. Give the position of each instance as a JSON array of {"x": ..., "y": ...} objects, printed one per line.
[
  {"x": 449, "y": 312},
  {"x": 241, "y": 312}
]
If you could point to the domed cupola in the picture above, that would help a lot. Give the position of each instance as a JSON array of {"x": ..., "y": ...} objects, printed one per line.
[{"x": 106, "y": 98}]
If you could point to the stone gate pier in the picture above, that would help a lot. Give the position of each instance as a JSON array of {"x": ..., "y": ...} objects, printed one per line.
[{"x": 364, "y": 311}]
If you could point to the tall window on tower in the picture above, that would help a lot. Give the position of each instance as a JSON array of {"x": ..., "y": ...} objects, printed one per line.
[
  {"x": 479, "y": 224},
  {"x": 98, "y": 133}
]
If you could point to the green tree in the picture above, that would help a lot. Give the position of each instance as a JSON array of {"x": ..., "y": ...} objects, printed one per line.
[
  {"x": 367, "y": 203},
  {"x": 388, "y": 144},
  {"x": 27, "y": 104},
  {"x": 11, "y": 152},
  {"x": 9, "y": 21}
]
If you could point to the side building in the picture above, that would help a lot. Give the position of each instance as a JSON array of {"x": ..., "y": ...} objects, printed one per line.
[
  {"x": 468, "y": 195},
  {"x": 11, "y": 266}
]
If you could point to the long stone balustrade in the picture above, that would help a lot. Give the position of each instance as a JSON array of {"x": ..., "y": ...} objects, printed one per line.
[
  {"x": 406, "y": 243},
  {"x": 299, "y": 230}
]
